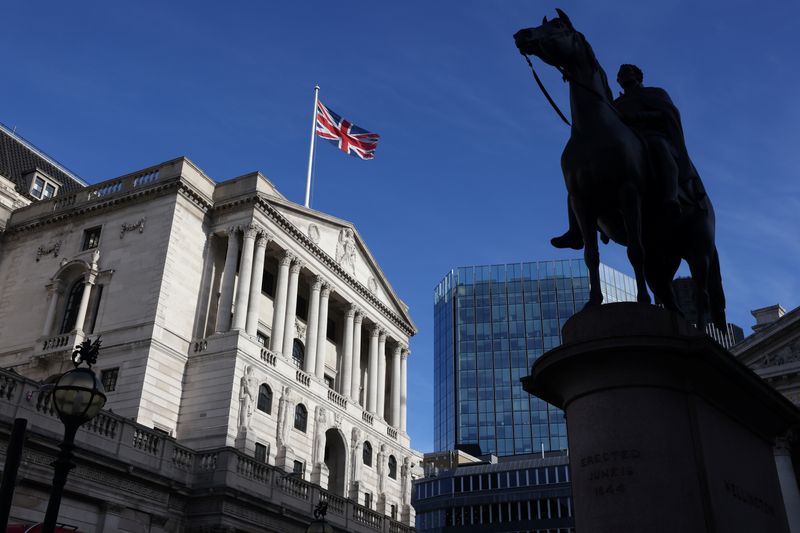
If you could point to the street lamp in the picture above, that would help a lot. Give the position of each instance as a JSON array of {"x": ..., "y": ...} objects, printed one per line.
[
  {"x": 77, "y": 397},
  {"x": 319, "y": 525}
]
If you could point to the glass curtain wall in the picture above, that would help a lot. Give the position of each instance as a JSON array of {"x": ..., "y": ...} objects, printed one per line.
[{"x": 491, "y": 323}]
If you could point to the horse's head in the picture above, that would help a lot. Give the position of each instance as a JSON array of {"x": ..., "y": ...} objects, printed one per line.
[{"x": 554, "y": 42}]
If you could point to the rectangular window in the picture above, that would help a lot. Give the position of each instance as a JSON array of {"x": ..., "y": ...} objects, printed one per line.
[
  {"x": 263, "y": 339},
  {"x": 394, "y": 512},
  {"x": 298, "y": 468},
  {"x": 109, "y": 379},
  {"x": 38, "y": 187},
  {"x": 91, "y": 238},
  {"x": 368, "y": 500},
  {"x": 331, "y": 331},
  {"x": 261, "y": 453},
  {"x": 268, "y": 284},
  {"x": 329, "y": 381},
  {"x": 301, "y": 309},
  {"x": 49, "y": 191},
  {"x": 96, "y": 308}
]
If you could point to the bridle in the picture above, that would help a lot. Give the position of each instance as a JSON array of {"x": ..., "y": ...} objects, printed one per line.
[{"x": 566, "y": 78}]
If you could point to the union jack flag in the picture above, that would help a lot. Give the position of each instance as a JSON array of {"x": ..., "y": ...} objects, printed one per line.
[{"x": 350, "y": 139}]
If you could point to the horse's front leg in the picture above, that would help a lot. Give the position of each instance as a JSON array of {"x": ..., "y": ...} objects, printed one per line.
[
  {"x": 587, "y": 222},
  {"x": 631, "y": 204}
]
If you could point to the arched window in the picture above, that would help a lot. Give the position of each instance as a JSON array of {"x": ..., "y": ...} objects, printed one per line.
[
  {"x": 301, "y": 417},
  {"x": 298, "y": 354},
  {"x": 367, "y": 453},
  {"x": 71, "y": 308},
  {"x": 265, "y": 398},
  {"x": 392, "y": 467}
]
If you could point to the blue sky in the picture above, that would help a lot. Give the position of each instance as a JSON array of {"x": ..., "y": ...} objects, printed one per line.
[{"x": 467, "y": 168}]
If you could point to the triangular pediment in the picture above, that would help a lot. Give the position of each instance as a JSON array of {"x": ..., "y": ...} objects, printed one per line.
[{"x": 340, "y": 240}]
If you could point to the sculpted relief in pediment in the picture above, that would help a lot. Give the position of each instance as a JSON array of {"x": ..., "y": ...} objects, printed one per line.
[{"x": 788, "y": 353}]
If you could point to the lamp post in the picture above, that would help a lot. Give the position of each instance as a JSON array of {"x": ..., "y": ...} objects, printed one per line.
[
  {"x": 319, "y": 525},
  {"x": 77, "y": 397}
]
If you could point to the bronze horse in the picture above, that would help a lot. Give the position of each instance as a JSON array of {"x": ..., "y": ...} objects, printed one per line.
[{"x": 607, "y": 171}]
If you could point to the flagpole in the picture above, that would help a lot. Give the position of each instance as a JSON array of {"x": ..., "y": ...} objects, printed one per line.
[{"x": 311, "y": 150}]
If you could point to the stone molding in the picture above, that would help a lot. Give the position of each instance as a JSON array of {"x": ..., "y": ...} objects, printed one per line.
[{"x": 138, "y": 225}]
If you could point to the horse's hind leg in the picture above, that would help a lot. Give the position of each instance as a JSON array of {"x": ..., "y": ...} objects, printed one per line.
[
  {"x": 587, "y": 222},
  {"x": 631, "y": 204}
]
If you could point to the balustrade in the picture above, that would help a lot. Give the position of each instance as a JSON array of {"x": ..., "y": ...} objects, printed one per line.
[
  {"x": 293, "y": 486},
  {"x": 337, "y": 398},
  {"x": 302, "y": 378},
  {"x": 252, "y": 469},
  {"x": 369, "y": 518},
  {"x": 392, "y": 432},
  {"x": 367, "y": 417},
  {"x": 336, "y": 504},
  {"x": 269, "y": 357},
  {"x": 145, "y": 441}
]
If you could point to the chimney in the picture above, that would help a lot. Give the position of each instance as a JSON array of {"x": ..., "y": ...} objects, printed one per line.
[{"x": 766, "y": 316}]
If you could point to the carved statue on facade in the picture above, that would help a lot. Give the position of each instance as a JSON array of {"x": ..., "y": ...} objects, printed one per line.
[
  {"x": 381, "y": 468},
  {"x": 247, "y": 392},
  {"x": 405, "y": 486},
  {"x": 346, "y": 250},
  {"x": 285, "y": 405},
  {"x": 319, "y": 435},
  {"x": 629, "y": 176},
  {"x": 355, "y": 453}
]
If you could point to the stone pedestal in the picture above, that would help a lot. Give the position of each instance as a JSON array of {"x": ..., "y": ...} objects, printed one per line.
[
  {"x": 245, "y": 442},
  {"x": 285, "y": 459},
  {"x": 667, "y": 431},
  {"x": 319, "y": 475}
]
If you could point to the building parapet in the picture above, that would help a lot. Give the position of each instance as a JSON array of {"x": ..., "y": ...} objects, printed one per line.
[{"x": 109, "y": 437}]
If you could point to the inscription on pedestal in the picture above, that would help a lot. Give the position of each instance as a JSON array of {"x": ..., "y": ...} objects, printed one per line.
[{"x": 609, "y": 470}]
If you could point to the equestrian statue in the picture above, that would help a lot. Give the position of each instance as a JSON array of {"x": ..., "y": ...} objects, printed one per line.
[{"x": 629, "y": 176}]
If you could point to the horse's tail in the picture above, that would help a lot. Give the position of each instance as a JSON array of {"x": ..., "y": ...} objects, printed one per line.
[{"x": 716, "y": 295}]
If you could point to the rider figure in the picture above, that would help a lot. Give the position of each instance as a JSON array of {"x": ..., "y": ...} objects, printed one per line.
[{"x": 651, "y": 113}]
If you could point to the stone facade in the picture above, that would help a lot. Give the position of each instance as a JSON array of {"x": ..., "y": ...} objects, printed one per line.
[{"x": 231, "y": 319}]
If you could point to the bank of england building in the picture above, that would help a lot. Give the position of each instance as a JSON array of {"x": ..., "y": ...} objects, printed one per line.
[{"x": 253, "y": 353}]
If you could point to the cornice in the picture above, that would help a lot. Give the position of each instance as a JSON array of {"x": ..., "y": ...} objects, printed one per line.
[
  {"x": 301, "y": 238},
  {"x": 161, "y": 188}
]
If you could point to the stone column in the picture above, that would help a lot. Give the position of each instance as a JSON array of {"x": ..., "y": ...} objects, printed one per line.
[
  {"x": 381, "y": 388},
  {"x": 291, "y": 308},
  {"x": 372, "y": 388},
  {"x": 84, "y": 306},
  {"x": 347, "y": 349},
  {"x": 403, "y": 388},
  {"x": 254, "y": 305},
  {"x": 788, "y": 482},
  {"x": 54, "y": 289},
  {"x": 395, "y": 417},
  {"x": 245, "y": 272},
  {"x": 355, "y": 380},
  {"x": 313, "y": 326},
  {"x": 279, "y": 309},
  {"x": 228, "y": 280},
  {"x": 322, "y": 331}
]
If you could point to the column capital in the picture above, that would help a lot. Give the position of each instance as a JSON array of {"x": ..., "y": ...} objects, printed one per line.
[
  {"x": 287, "y": 258},
  {"x": 262, "y": 239},
  {"x": 375, "y": 330},
  {"x": 297, "y": 265},
  {"x": 326, "y": 290},
  {"x": 318, "y": 283},
  {"x": 382, "y": 334},
  {"x": 398, "y": 348},
  {"x": 250, "y": 230},
  {"x": 351, "y": 311},
  {"x": 404, "y": 353},
  {"x": 232, "y": 230},
  {"x": 359, "y": 318}
]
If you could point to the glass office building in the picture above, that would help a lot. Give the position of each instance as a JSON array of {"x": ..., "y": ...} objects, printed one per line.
[{"x": 490, "y": 324}]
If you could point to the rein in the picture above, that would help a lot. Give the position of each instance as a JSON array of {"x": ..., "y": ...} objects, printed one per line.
[
  {"x": 568, "y": 79},
  {"x": 544, "y": 91}
]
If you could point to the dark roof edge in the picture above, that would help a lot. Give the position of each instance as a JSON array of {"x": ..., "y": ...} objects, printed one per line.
[{"x": 30, "y": 146}]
